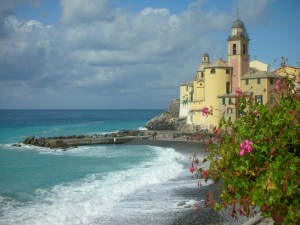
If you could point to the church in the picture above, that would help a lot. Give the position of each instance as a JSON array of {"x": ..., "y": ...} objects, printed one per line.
[{"x": 216, "y": 83}]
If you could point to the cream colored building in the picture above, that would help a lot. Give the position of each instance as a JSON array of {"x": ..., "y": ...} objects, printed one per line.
[
  {"x": 289, "y": 71},
  {"x": 215, "y": 83},
  {"x": 260, "y": 66}
]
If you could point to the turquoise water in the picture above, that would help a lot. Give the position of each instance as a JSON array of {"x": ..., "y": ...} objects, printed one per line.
[
  {"x": 15, "y": 125},
  {"x": 84, "y": 185}
]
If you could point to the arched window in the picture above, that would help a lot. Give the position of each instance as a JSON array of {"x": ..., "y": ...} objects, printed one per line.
[
  {"x": 234, "y": 49},
  {"x": 244, "y": 49},
  {"x": 227, "y": 87}
]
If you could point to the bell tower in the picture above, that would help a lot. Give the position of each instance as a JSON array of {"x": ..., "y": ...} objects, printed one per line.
[{"x": 238, "y": 52}]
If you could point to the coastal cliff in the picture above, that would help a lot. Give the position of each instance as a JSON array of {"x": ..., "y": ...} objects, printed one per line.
[{"x": 168, "y": 120}]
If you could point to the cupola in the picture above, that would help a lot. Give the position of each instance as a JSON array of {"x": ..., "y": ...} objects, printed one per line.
[{"x": 238, "y": 29}]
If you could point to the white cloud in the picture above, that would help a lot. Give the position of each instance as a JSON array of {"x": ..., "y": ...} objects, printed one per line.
[
  {"x": 251, "y": 9},
  {"x": 78, "y": 11},
  {"x": 99, "y": 53}
]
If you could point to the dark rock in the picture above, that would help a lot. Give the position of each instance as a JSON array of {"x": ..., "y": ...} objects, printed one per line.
[
  {"x": 58, "y": 144},
  {"x": 49, "y": 142},
  {"x": 169, "y": 120},
  {"x": 16, "y": 145},
  {"x": 124, "y": 133},
  {"x": 41, "y": 142},
  {"x": 165, "y": 122},
  {"x": 29, "y": 140}
]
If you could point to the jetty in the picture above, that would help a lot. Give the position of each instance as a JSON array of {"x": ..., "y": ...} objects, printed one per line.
[{"x": 120, "y": 137}]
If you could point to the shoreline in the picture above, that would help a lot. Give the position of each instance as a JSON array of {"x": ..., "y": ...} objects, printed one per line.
[
  {"x": 188, "y": 216},
  {"x": 182, "y": 146}
]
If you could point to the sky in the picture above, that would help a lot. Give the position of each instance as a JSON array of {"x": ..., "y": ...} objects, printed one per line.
[{"x": 128, "y": 54}]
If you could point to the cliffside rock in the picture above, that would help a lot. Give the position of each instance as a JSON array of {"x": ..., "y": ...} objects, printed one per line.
[
  {"x": 165, "y": 122},
  {"x": 168, "y": 120},
  {"x": 174, "y": 108}
]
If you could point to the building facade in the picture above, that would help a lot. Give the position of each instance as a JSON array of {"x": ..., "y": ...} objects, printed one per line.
[{"x": 215, "y": 83}]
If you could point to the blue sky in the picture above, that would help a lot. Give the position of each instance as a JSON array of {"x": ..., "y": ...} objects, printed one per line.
[{"x": 78, "y": 54}]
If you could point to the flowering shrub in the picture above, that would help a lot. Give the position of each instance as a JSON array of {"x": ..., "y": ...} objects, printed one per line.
[{"x": 257, "y": 156}]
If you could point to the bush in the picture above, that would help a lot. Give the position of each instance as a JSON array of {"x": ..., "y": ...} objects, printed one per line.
[{"x": 257, "y": 156}]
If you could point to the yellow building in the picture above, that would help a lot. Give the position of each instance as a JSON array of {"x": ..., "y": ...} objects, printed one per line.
[
  {"x": 261, "y": 84},
  {"x": 215, "y": 83},
  {"x": 289, "y": 71},
  {"x": 260, "y": 66}
]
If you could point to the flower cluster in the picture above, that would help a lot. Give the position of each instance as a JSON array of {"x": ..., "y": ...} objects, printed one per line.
[
  {"x": 205, "y": 111},
  {"x": 238, "y": 92},
  {"x": 193, "y": 169},
  {"x": 278, "y": 86},
  {"x": 246, "y": 145}
]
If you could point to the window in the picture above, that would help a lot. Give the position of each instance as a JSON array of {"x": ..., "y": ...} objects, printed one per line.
[
  {"x": 202, "y": 75},
  {"x": 247, "y": 81},
  {"x": 259, "y": 99},
  {"x": 271, "y": 80},
  {"x": 191, "y": 97},
  {"x": 244, "y": 49},
  {"x": 229, "y": 110},
  {"x": 227, "y": 71},
  {"x": 234, "y": 49},
  {"x": 224, "y": 101},
  {"x": 212, "y": 71},
  {"x": 258, "y": 80},
  {"x": 229, "y": 101},
  {"x": 186, "y": 88},
  {"x": 227, "y": 87}
]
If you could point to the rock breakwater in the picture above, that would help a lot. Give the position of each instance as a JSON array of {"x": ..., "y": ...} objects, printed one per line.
[{"x": 65, "y": 142}]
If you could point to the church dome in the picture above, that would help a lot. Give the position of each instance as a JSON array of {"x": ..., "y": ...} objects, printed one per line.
[{"x": 237, "y": 24}]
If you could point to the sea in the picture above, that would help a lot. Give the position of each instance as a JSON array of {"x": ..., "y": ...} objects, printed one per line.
[{"x": 87, "y": 185}]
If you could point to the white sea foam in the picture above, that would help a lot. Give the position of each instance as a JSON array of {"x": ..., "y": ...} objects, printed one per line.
[
  {"x": 87, "y": 200},
  {"x": 142, "y": 128}
]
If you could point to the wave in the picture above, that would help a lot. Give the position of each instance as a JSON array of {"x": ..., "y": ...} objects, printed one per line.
[
  {"x": 142, "y": 128},
  {"x": 88, "y": 199}
]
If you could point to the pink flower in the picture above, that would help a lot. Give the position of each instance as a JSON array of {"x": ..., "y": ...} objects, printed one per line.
[
  {"x": 238, "y": 91},
  {"x": 278, "y": 86},
  {"x": 215, "y": 130},
  {"x": 240, "y": 209},
  {"x": 255, "y": 112},
  {"x": 193, "y": 169},
  {"x": 205, "y": 173},
  {"x": 205, "y": 111},
  {"x": 246, "y": 145}
]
